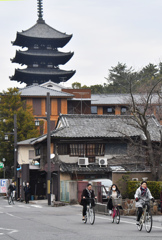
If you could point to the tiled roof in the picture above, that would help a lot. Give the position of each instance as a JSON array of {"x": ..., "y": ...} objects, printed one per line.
[
  {"x": 120, "y": 99},
  {"x": 104, "y": 126},
  {"x": 42, "y": 30},
  {"x": 26, "y": 142},
  {"x": 95, "y": 168},
  {"x": 37, "y": 90},
  {"x": 47, "y": 53}
]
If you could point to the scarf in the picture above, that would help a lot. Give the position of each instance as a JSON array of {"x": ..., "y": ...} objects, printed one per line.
[
  {"x": 143, "y": 191},
  {"x": 89, "y": 192}
]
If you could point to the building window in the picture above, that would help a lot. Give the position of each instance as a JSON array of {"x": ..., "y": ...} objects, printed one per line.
[
  {"x": 37, "y": 152},
  {"x": 94, "y": 149},
  {"x": 109, "y": 110},
  {"x": 93, "y": 109},
  {"x": 36, "y": 46},
  {"x": 31, "y": 154},
  {"x": 77, "y": 149},
  {"x": 37, "y": 106},
  {"x": 123, "y": 110},
  {"x": 116, "y": 149},
  {"x": 62, "y": 149}
]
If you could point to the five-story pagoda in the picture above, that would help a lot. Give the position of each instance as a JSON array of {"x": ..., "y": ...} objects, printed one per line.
[{"x": 42, "y": 57}]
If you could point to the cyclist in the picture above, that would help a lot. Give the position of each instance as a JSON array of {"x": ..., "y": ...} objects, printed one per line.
[
  {"x": 11, "y": 189},
  {"x": 142, "y": 194},
  {"x": 113, "y": 193},
  {"x": 87, "y": 193}
]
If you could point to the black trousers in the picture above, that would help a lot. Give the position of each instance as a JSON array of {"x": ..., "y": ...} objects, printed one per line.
[
  {"x": 27, "y": 197},
  {"x": 140, "y": 211},
  {"x": 109, "y": 204},
  {"x": 84, "y": 209}
]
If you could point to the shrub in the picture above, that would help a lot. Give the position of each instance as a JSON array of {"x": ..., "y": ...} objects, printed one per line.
[{"x": 155, "y": 188}]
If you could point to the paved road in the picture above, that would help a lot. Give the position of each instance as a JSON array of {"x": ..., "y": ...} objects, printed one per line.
[{"x": 42, "y": 222}]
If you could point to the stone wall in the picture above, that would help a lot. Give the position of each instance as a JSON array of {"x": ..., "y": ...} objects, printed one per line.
[{"x": 128, "y": 206}]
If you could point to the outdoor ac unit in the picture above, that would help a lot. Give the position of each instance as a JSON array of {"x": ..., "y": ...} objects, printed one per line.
[
  {"x": 103, "y": 161},
  {"x": 145, "y": 178},
  {"x": 134, "y": 179},
  {"x": 83, "y": 162}
]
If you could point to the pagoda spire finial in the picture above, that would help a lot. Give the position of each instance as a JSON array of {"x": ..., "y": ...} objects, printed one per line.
[{"x": 40, "y": 11}]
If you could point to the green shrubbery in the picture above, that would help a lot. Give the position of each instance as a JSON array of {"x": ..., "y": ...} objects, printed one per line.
[{"x": 155, "y": 188}]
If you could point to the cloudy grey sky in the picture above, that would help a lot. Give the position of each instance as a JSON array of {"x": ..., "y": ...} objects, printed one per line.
[{"x": 105, "y": 32}]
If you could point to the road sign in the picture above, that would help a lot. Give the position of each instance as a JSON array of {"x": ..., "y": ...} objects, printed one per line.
[{"x": 1, "y": 164}]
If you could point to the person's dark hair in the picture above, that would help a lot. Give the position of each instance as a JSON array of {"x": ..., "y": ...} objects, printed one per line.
[
  {"x": 143, "y": 182},
  {"x": 117, "y": 189},
  {"x": 89, "y": 184}
]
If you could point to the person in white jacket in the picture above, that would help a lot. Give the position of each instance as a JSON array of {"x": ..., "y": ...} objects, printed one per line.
[{"x": 142, "y": 194}]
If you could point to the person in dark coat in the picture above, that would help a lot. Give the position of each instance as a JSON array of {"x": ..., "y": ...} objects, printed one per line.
[
  {"x": 87, "y": 193},
  {"x": 27, "y": 191},
  {"x": 161, "y": 201},
  {"x": 113, "y": 193}
]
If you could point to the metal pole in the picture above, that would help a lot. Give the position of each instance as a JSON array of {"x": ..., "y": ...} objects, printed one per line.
[
  {"x": 15, "y": 148},
  {"x": 48, "y": 150}
]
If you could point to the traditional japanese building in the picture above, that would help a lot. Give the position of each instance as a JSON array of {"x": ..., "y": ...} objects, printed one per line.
[{"x": 42, "y": 56}]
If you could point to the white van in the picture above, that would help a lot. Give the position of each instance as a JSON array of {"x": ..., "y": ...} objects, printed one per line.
[{"x": 107, "y": 183}]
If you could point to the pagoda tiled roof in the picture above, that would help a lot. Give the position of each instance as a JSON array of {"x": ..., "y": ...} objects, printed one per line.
[
  {"x": 42, "y": 30},
  {"x": 37, "y": 90},
  {"x": 30, "y": 56},
  {"x": 39, "y": 32},
  {"x": 41, "y": 75}
]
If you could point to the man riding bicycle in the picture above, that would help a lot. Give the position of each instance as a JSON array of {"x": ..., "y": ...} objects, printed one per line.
[
  {"x": 142, "y": 194},
  {"x": 11, "y": 189},
  {"x": 87, "y": 193}
]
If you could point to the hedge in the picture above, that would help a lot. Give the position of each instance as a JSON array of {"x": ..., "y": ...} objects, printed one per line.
[{"x": 155, "y": 188}]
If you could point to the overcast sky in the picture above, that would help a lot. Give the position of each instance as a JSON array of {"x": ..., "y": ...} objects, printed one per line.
[{"x": 105, "y": 32}]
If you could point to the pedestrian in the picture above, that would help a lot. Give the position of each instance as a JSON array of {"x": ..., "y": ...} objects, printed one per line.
[
  {"x": 161, "y": 201},
  {"x": 142, "y": 194},
  {"x": 27, "y": 190},
  {"x": 87, "y": 193},
  {"x": 113, "y": 193}
]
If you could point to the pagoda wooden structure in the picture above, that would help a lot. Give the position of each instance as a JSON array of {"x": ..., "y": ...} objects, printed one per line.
[{"x": 42, "y": 56}]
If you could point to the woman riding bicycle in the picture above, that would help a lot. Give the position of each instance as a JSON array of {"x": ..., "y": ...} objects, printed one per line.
[
  {"x": 142, "y": 194},
  {"x": 87, "y": 193},
  {"x": 113, "y": 193}
]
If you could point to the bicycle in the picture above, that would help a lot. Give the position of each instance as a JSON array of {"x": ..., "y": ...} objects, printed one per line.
[
  {"x": 117, "y": 202},
  {"x": 90, "y": 213},
  {"x": 146, "y": 218},
  {"x": 11, "y": 198}
]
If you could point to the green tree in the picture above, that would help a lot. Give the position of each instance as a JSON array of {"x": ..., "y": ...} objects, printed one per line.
[
  {"x": 76, "y": 85},
  {"x": 11, "y": 104}
]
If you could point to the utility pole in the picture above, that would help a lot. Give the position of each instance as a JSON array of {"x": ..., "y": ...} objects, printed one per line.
[
  {"x": 48, "y": 150},
  {"x": 15, "y": 148}
]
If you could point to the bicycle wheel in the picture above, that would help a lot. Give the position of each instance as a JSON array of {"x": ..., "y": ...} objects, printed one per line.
[
  {"x": 148, "y": 222},
  {"x": 86, "y": 216},
  {"x": 117, "y": 216},
  {"x": 91, "y": 216}
]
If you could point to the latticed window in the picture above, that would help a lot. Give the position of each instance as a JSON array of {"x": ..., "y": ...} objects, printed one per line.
[
  {"x": 94, "y": 149},
  {"x": 77, "y": 149},
  {"x": 62, "y": 149}
]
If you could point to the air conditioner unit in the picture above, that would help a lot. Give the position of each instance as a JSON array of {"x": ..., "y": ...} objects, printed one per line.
[
  {"x": 83, "y": 162},
  {"x": 103, "y": 162},
  {"x": 134, "y": 179},
  {"x": 145, "y": 178}
]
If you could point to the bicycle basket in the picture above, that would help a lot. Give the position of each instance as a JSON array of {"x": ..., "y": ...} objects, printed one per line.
[{"x": 117, "y": 201}]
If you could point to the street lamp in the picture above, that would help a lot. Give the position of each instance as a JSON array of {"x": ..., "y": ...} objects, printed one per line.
[{"x": 3, "y": 159}]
